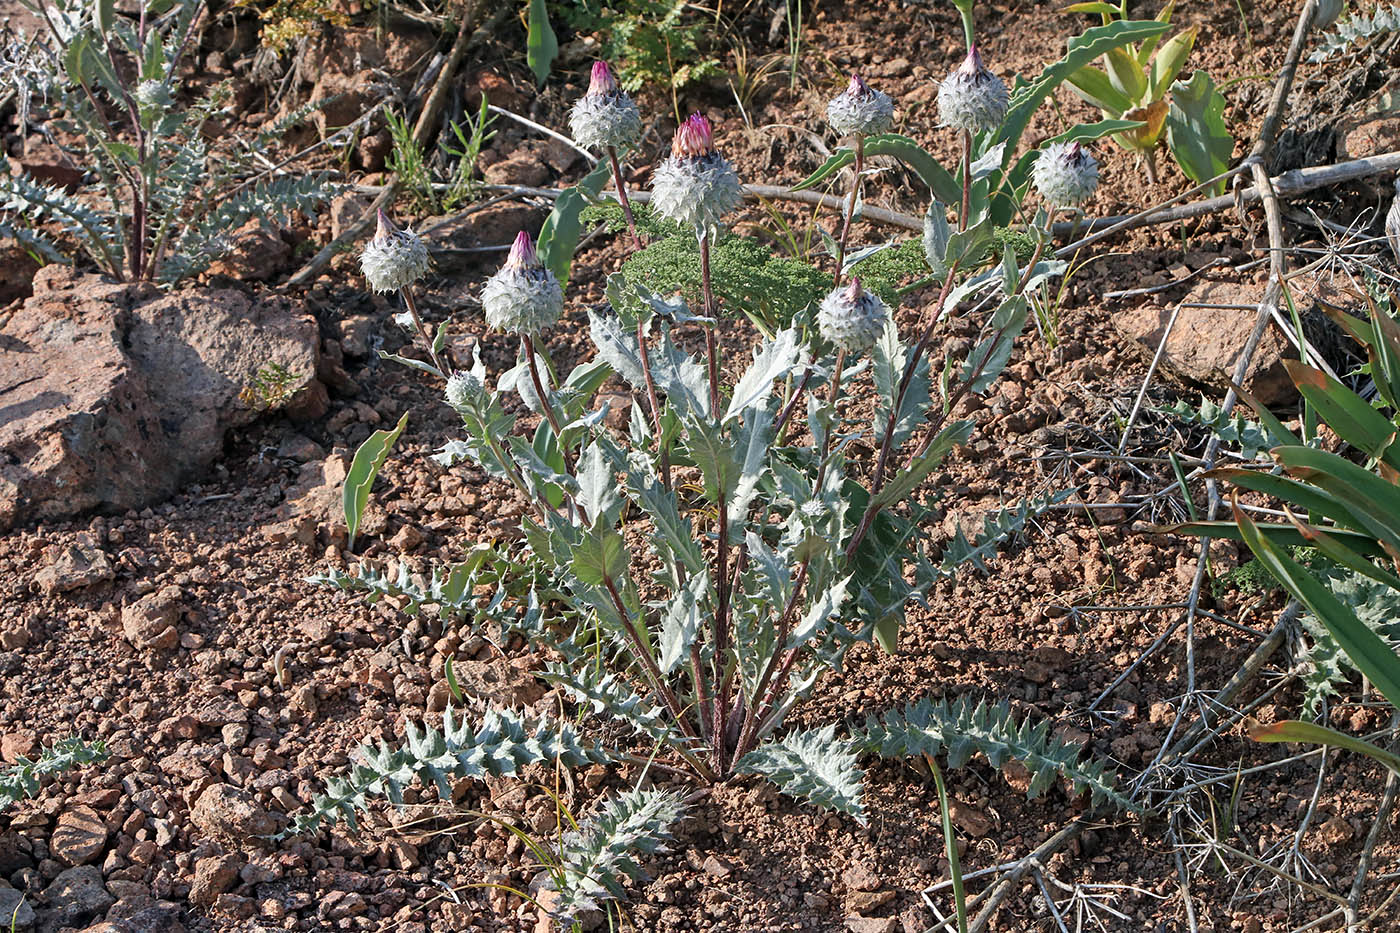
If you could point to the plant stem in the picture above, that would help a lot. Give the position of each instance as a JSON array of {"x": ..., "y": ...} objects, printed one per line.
[
  {"x": 747, "y": 735},
  {"x": 720, "y": 711},
  {"x": 850, "y": 212},
  {"x": 967, "y": 180},
  {"x": 667, "y": 695},
  {"x": 622, "y": 197},
  {"x": 412, "y": 307},
  {"x": 836, "y": 421},
  {"x": 791, "y": 405},
  {"x": 711, "y": 351},
  {"x": 540, "y": 393},
  {"x": 663, "y": 450}
]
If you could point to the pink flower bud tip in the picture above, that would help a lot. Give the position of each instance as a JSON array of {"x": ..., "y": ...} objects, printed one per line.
[
  {"x": 602, "y": 80},
  {"x": 854, "y": 292},
  {"x": 972, "y": 65},
  {"x": 857, "y": 86},
  {"x": 693, "y": 138},
  {"x": 522, "y": 253},
  {"x": 385, "y": 227}
]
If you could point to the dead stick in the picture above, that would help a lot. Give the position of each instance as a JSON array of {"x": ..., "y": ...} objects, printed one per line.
[{"x": 422, "y": 130}]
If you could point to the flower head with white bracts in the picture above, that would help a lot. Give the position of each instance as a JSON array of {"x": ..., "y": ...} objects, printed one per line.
[
  {"x": 860, "y": 110},
  {"x": 971, "y": 98},
  {"x": 695, "y": 186},
  {"x": 523, "y": 297},
  {"x": 393, "y": 258},
  {"x": 605, "y": 117},
  {"x": 1066, "y": 174},
  {"x": 463, "y": 387},
  {"x": 851, "y": 317}
]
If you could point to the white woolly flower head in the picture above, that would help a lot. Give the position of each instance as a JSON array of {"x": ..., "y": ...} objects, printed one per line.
[
  {"x": 971, "y": 98},
  {"x": 851, "y": 317},
  {"x": 1066, "y": 174},
  {"x": 860, "y": 110},
  {"x": 605, "y": 117},
  {"x": 394, "y": 258},
  {"x": 695, "y": 186},
  {"x": 523, "y": 297},
  {"x": 463, "y": 387}
]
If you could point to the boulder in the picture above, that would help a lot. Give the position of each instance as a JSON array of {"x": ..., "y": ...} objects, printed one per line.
[
  {"x": 75, "y": 896},
  {"x": 114, "y": 396},
  {"x": 1205, "y": 343},
  {"x": 16, "y": 916}
]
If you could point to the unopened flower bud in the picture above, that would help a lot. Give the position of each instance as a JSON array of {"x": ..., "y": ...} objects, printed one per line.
[
  {"x": 462, "y": 388},
  {"x": 696, "y": 186},
  {"x": 605, "y": 116},
  {"x": 972, "y": 98},
  {"x": 1066, "y": 174},
  {"x": 860, "y": 110},
  {"x": 394, "y": 258},
  {"x": 523, "y": 297},
  {"x": 851, "y": 317}
]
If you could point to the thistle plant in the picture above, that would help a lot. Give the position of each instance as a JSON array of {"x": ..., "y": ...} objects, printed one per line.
[
  {"x": 695, "y": 574},
  {"x": 606, "y": 120},
  {"x": 166, "y": 205},
  {"x": 858, "y": 111},
  {"x": 1392, "y": 222}
]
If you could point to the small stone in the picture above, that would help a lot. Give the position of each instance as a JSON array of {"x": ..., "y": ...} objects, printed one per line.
[
  {"x": 872, "y": 924},
  {"x": 76, "y": 567},
  {"x": 79, "y": 891},
  {"x": 80, "y": 836},
  {"x": 860, "y": 878},
  {"x": 149, "y": 622},
  {"x": 212, "y": 877},
  {"x": 225, "y": 810},
  {"x": 20, "y": 743},
  {"x": 716, "y": 867},
  {"x": 863, "y": 902}
]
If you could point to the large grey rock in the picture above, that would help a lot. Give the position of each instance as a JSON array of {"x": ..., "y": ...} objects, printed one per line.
[
  {"x": 114, "y": 396},
  {"x": 15, "y": 912},
  {"x": 75, "y": 896}
]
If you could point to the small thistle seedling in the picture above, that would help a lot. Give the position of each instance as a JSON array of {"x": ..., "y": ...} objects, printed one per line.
[
  {"x": 697, "y": 572},
  {"x": 166, "y": 205}
]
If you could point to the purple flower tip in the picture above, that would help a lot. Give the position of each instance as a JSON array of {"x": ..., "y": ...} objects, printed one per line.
[
  {"x": 693, "y": 138},
  {"x": 385, "y": 227},
  {"x": 522, "y": 253},
  {"x": 854, "y": 292},
  {"x": 602, "y": 80}
]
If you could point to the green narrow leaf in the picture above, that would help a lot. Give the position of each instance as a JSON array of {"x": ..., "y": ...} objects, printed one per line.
[
  {"x": 950, "y": 845},
  {"x": 1168, "y": 62},
  {"x": 944, "y": 186},
  {"x": 363, "y": 469},
  {"x": 1293, "y": 730},
  {"x": 1367, "y": 652},
  {"x": 1196, "y": 132},
  {"x": 1346, "y": 413},
  {"x": 541, "y": 45},
  {"x": 1281, "y": 535},
  {"x": 903, "y": 483},
  {"x": 559, "y": 236}
]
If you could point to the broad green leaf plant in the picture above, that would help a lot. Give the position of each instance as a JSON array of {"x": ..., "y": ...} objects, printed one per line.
[
  {"x": 696, "y": 571},
  {"x": 1345, "y": 505},
  {"x": 1139, "y": 83},
  {"x": 166, "y": 203}
]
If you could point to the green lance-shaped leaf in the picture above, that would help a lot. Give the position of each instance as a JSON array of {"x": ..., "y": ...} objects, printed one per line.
[
  {"x": 1370, "y": 655},
  {"x": 559, "y": 236},
  {"x": 363, "y": 469},
  {"x": 943, "y": 185},
  {"x": 902, "y": 484},
  {"x": 1196, "y": 132},
  {"x": 541, "y": 45},
  {"x": 1292, "y": 730}
]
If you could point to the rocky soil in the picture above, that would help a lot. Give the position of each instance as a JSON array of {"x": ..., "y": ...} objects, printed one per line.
[{"x": 158, "y": 532}]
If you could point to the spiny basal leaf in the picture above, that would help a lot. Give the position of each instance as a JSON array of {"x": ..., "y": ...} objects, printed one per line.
[{"x": 812, "y": 765}]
